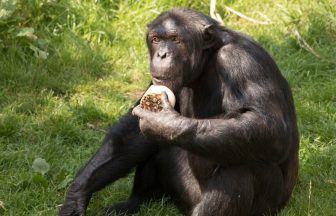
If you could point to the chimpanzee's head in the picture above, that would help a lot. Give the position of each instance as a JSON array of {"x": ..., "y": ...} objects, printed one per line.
[{"x": 179, "y": 41}]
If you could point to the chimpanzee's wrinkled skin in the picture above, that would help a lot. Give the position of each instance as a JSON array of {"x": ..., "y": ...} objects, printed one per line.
[{"x": 230, "y": 145}]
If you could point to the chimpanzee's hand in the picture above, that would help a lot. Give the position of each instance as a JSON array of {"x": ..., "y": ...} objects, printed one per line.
[{"x": 161, "y": 125}]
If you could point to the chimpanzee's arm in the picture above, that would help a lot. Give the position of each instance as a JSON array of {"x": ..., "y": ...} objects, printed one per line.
[{"x": 246, "y": 137}]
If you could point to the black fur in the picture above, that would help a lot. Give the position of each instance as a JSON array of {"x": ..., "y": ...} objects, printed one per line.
[{"x": 230, "y": 146}]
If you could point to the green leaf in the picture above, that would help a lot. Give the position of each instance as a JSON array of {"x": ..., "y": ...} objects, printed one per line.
[
  {"x": 38, "y": 52},
  {"x": 65, "y": 182},
  {"x": 27, "y": 32},
  {"x": 42, "y": 54},
  {"x": 40, "y": 180},
  {"x": 41, "y": 166}
]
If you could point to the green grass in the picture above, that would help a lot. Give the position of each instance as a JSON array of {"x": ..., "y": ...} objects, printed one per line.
[{"x": 64, "y": 83}]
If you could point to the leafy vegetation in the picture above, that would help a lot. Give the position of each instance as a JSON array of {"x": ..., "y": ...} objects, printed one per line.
[{"x": 70, "y": 68}]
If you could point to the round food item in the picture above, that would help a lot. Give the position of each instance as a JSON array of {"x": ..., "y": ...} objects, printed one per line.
[
  {"x": 151, "y": 102},
  {"x": 152, "y": 98}
]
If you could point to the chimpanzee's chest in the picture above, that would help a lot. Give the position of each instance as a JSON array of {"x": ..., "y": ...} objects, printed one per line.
[{"x": 200, "y": 105}]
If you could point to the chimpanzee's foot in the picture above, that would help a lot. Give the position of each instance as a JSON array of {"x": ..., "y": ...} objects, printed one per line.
[
  {"x": 129, "y": 207},
  {"x": 74, "y": 205}
]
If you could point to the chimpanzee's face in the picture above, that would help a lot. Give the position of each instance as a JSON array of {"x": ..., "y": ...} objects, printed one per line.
[{"x": 172, "y": 53}]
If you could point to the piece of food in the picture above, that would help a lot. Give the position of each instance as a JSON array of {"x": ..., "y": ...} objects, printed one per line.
[
  {"x": 152, "y": 98},
  {"x": 151, "y": 102}
]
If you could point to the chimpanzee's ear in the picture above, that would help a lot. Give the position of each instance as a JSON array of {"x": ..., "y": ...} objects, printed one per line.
[{"x": 210, "y": 37}]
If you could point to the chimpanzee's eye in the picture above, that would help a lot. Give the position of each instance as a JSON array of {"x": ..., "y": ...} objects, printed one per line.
[
  {"x": 174, "y": 39},
  {"x": 155, "y": 39}
]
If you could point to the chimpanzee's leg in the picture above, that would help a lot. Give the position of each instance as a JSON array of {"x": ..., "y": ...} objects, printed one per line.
[
  {"x": 124, "y": 148},
  {"x": 269, "y": 186},
  {"x": 177, "y": 180},
  {"x": 145, "y": 187},
  {"x": 229, "y": 192},
  {"x": 241, "y": 191}
]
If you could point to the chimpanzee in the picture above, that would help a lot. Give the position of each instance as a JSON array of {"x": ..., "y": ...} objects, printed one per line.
[{"x": 228, "y": 147}]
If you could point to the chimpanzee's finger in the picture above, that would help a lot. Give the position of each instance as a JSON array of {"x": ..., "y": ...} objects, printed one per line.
[
  {"x": 165, "y": 101},
  {"x": 138, "y": 111}
]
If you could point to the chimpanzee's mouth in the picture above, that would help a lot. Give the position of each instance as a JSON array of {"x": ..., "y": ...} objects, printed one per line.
[
  {"x": 160, "y": 80},
  {"x": 164, "y": 82}
]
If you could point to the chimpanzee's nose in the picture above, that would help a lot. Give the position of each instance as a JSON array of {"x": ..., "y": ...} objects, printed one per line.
[{"x": 162, "y": 54}]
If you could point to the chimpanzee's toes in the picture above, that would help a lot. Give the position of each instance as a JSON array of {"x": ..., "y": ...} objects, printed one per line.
[
  {"x": 73, "y": 207},
  {"x": 130, "y": 207},
  {"x": 69, "y": 210}
]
